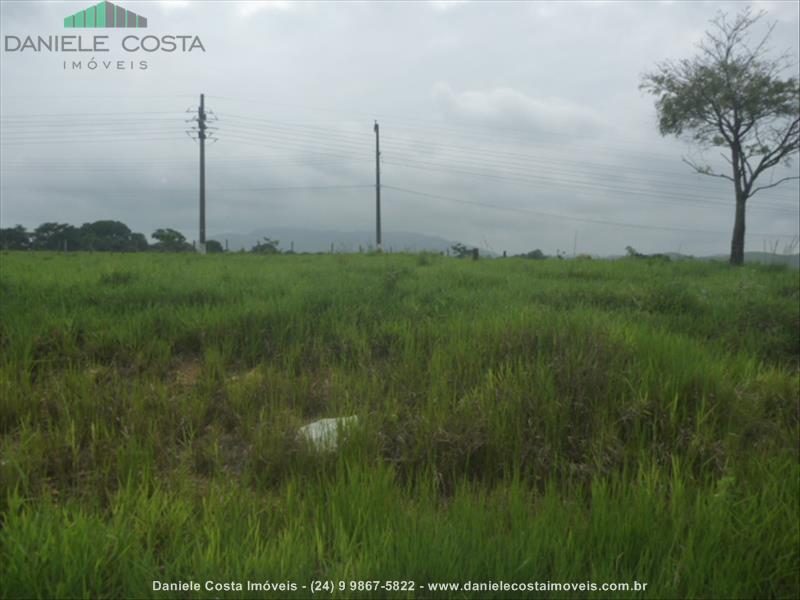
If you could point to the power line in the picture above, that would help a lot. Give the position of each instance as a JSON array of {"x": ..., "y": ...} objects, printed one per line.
[
  {"x": 294, "y": 187},
  {"x": 470, "y": 155},
  {"x": 82, "y": 120},
  {"x": 530, "y": 180},
  {"x": 36, "y": 163},
  {"x": 538, "y": 180},
  {"x": 92, "y": 114},
  {"x": 529, "y": 175},
  {"x": 348, "y": 145},
  {"x": 293, "y": 144},
  {"x": 88, "y": 168},
  {"x": 87, "y": 135},
  {"x": 568, "y": 218},
  {"x": 130, "y": 192},
  {"x": 429, "y": 124},
  {"x": 465, "y": 153},
  {"x": 90, "y": 141}
]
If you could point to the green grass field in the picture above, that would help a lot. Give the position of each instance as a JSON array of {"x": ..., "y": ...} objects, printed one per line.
[{"x": 522, "y": 421}]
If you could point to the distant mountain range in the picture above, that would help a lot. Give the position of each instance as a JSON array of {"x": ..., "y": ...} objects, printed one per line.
[
  {"x": 764, "y": 258},
  {"x": 309, "y": 240}
]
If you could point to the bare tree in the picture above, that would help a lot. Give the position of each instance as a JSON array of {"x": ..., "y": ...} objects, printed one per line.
[{"x": 732, "y": 95}]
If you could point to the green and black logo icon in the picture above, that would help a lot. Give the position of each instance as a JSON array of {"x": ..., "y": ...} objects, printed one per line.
[{"x": 105, "y": 14}]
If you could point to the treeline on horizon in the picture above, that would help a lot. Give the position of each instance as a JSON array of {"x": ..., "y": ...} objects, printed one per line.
[
  {"x": 100, "y": 236},
  {"x": 115, "y": 236}
]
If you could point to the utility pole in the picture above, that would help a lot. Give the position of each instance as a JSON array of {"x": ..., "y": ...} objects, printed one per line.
[
  {"x": 204, "y": 132},
  {"x": 201, "y": 126},
  {"x": 378, "y": 187}
]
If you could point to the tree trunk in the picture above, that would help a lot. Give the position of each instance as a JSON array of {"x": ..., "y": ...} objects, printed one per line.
[{"x": 737, "y": 243}]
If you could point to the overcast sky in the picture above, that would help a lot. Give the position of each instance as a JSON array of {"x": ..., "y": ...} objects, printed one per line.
[{"x": 515, "y": 125}]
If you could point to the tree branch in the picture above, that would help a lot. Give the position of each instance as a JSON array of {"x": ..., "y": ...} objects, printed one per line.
[
  {"x": 766, "y": 187},
  {"x": 785, "y": 147},
  {"x": 705, "y": 170}
]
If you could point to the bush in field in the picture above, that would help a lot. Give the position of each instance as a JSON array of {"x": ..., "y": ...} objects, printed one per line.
[
  {"x": 170, "y": 240},
  {"x": 459, "y": 250},
  {"x": 214, "y": 247},
  {"x": 632, "y": 253},
  {"x": 266, "y": 246},
  {"x": 534, "y": 255}
]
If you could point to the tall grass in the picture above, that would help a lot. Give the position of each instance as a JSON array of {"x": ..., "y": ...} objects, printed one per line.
[{"x": 520, "y": 421}]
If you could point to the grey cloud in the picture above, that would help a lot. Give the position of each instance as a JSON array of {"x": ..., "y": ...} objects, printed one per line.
[{"x": 509, "y": 108}]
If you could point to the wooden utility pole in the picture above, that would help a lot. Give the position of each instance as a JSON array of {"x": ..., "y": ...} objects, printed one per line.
[{"x": 378, "y": 187}]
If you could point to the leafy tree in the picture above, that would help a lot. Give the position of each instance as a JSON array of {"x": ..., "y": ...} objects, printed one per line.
[
  {"x": 138, "y": 242},
  {"x": 266, "y": 246},
  {"x": 15, "y": 238},
  {"x": 106, "y": 236},
  {"x": 459, "y": 250},
  {"x": 170, "y": 240},
  {"x": 731, "y": 95},
  {"x": 53, "y": 236},
  {"x": 214, "y": 247}
]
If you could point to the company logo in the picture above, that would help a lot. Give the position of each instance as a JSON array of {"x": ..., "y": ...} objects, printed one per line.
[
  {"x": 105, "y": 14},
  {"x": 93, "y": 46}
]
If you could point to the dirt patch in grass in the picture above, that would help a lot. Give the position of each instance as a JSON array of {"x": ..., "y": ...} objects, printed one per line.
[
  {"x": 186, "y": 373},
  {"x": 251, "y": 377}
]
